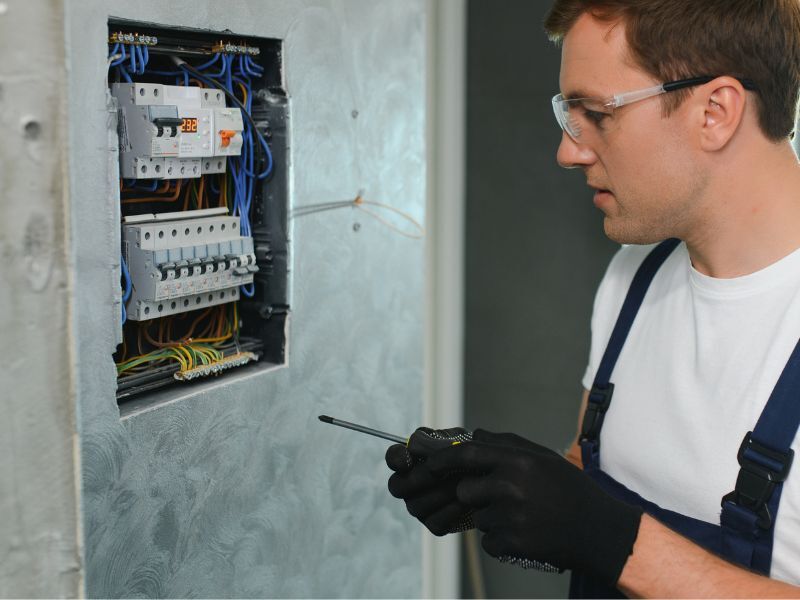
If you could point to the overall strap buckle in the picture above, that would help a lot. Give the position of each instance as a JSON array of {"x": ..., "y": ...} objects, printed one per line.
[
  {"x": 761, "y": 469},
  {"x": 596, "y": 407}
]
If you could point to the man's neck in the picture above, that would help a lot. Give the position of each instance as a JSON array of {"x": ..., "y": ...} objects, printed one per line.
[{"x": 750, "y": 216}]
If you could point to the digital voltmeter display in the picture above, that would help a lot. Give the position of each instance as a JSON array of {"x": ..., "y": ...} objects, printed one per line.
[{"x": 189, "y": 125}]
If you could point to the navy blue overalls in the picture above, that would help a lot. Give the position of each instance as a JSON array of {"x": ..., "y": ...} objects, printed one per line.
[{"x": 745, "y": 533}]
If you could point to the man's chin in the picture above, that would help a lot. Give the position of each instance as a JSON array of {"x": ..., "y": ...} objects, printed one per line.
[{"x": 629, "y": 234}]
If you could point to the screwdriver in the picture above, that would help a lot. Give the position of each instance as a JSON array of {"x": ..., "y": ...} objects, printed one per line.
[{"x": 422, "y": 445}]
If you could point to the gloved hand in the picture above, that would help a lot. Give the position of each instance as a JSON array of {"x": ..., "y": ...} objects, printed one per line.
[
  {"x": 431, "y": 499},
  {"x": 533, "y": 504}
]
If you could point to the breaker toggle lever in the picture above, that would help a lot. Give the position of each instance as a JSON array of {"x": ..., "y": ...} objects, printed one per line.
[{"x": 226, "y": 135}]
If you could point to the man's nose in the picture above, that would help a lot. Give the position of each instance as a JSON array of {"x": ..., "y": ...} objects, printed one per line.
[{"x": 572, "y": 155}]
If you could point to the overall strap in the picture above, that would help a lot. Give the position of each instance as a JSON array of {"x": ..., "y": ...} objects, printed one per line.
[
  {"x": 765, "y": 458},
  {"x": 602, "y": 388}
]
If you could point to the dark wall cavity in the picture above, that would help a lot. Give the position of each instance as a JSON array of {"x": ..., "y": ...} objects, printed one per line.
[{"x": 535, "y": 251}]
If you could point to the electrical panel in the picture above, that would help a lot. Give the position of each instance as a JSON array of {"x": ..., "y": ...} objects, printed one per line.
[{"x": 202, "y": 122}]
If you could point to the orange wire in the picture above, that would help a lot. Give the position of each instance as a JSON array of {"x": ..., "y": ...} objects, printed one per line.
[
  {"x": 201, "y": 192},
  {"x": 171, "y": 198},
  {"x": 187, "y": 195}
]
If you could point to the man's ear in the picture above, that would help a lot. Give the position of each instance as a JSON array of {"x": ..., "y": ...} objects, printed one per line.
[{"x": 724, "y": 101}]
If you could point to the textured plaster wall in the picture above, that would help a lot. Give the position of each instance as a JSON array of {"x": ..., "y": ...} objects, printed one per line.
[
  {"x": 236, "y": 490},
  {"x": 39, "y": 554}
]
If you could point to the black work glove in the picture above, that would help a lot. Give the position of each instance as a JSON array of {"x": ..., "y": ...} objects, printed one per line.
[
  {"x": 431, "y": 499},
  {"x": 533, "y": 504}
]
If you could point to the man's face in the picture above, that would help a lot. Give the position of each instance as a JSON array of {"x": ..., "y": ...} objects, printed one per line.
[{"x": 647, "y": 173}]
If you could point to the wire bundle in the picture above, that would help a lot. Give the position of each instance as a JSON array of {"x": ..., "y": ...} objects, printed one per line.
[
  {"x": 136, "y": 55},
  {"x": 243, "y": 168},
  {"x": 208, "y": 348}
]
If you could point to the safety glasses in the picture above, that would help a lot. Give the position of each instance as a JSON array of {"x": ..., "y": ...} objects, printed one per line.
[{"x": 586, "y": 118}]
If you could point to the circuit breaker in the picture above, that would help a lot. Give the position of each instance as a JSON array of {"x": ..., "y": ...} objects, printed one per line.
[
  {"x": 185, "y": 261},
  {"x": 171, "y": 132}
]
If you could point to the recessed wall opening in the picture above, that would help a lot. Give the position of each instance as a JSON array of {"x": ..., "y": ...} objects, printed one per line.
[{"x": 202, "y": 120}]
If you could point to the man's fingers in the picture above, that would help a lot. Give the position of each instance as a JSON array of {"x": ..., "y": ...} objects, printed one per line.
[
  {"x": 431, "y": 501},
  {"x": 406, "y": 485},
  {"x": 474, "y": 491},
  {"x": 447, "y": 519},
  {"x": 399, "y": 459},
  {"x": 467, "y": 457},
  {"x": 493, "y": 543}
]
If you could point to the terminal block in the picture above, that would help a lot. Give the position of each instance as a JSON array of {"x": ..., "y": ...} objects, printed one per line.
[
  {"x": 185, "y": 261},
  {"x": 170, "y": 132}
]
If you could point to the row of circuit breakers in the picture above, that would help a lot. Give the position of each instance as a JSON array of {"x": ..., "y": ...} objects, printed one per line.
[{"x": 189, "y": 260}]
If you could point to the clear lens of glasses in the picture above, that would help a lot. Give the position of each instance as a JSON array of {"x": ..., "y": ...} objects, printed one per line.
[{"x": 582, "y": 118}]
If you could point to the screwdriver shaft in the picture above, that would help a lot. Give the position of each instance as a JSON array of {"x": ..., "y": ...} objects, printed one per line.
[{"x": 368, "y": 430}]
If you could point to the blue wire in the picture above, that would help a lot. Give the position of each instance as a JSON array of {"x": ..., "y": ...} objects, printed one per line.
[
  {"x": 241, "y": 66},
  {"x": 238, "y": 198},
  {"x": 229, "y": 74},
  {"x": 256, "y": 69},
  {"x": 121, "y": 58},
  {"x": 249, "y": 293},
  {"x": 250, "y": 67},
  {"x": 126, "y": 295},
  {"x": 182, "y": 73},
  {"x": 254, "y": 66},
  {"x": 209, "y": 63},
  {"x": 124, "y": 74},
  {"x": 127, "y": 275},
  {"x": 132, "y": 56},
  {"x": 145, "y": 56},
  {"x": 262, "y": 141},
  {"x": 140, "y": 53}
]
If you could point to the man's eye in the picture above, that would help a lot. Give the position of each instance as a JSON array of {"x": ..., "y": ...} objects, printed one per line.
[{"x": 594, "y": 116}]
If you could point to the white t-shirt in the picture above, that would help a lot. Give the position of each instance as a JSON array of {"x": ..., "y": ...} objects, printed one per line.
[{"x": 701, "y": 359}]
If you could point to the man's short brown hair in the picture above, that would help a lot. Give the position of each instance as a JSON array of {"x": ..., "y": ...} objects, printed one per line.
[{"x": 676, "y": 39}]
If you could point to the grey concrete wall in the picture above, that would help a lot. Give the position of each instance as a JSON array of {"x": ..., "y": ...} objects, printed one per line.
[
  {"x": 39, "y": 554},
  {"x": 535, "y": 251},
  {"x": 235, "y": 489}
]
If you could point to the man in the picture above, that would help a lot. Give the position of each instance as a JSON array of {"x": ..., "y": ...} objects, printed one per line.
[{"x": 680, "y": 114}]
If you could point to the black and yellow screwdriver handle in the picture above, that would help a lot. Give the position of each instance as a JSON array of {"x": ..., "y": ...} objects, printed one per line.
[{"x": 425, "y": 441}]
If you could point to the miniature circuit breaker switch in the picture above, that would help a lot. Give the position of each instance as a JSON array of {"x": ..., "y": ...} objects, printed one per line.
[
  {"x": 170, "y": 132},
  {"x": 185, "y": 261}
]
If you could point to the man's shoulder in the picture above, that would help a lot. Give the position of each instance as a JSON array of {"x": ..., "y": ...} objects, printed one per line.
[{"x": 620, "y": 273}]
